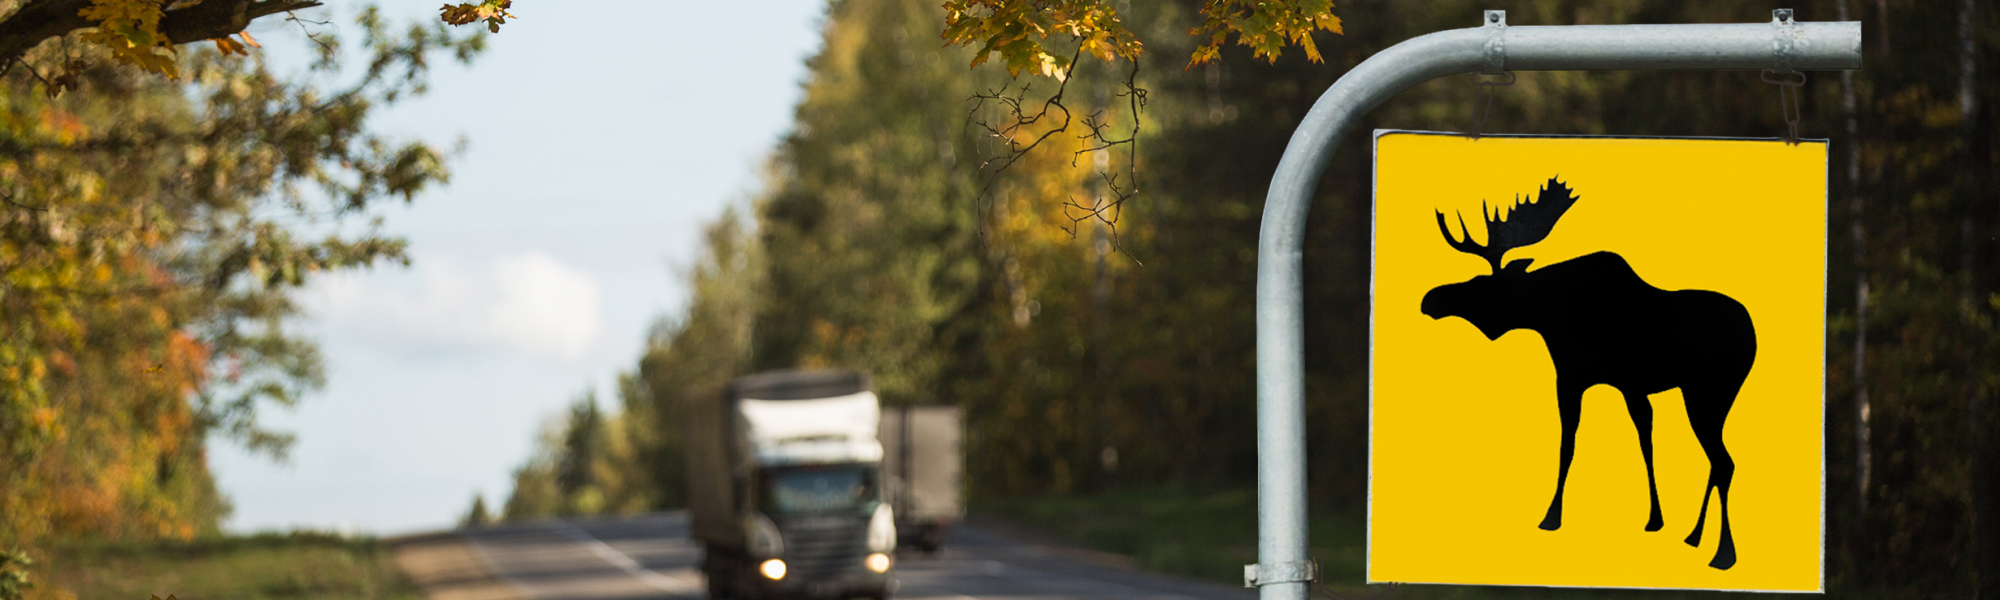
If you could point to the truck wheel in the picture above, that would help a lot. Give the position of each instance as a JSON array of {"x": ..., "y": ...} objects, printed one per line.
[
  {"x": 724, "y": 574},
  {"x": 719, "y": 586},
  {"x": 877, "y": 594}
]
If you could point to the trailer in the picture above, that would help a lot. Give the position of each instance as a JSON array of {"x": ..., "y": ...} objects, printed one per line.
[{"x": 923, "y": 465}]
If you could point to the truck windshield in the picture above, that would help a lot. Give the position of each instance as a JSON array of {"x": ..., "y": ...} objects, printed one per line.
[{"x": 819, "y": 489}]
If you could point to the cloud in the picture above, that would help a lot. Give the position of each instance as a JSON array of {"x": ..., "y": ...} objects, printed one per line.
[{"x": 528, "y": 302}]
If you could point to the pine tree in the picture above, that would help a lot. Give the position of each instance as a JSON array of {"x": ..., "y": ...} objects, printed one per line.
[
  {"x": 583, "y": 447},
  {"x": 477, "y": 516}
]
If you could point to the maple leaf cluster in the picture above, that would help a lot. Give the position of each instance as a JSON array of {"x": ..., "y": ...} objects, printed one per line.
[
  {"x": 1266, "y": 26},
  {"x": 494, "y": 12},
  {"x": 1018, "y": 29},
  {"x": 130, "y": 29}
]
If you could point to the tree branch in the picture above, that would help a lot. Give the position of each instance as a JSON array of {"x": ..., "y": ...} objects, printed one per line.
[
  {"x": 40, "y": 20},
  {"x": 216, "y": 18}
]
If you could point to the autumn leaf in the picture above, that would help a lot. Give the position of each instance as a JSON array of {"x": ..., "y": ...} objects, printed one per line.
[{"x": 230, "y": 46}]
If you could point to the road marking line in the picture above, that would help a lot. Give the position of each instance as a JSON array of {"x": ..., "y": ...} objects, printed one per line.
[{"x": 660, "y": 581}]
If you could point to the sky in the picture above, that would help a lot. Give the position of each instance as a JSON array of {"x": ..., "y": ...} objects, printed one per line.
[{"x": 600, "y": 141}]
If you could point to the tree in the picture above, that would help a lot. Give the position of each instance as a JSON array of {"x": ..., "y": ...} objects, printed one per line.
[
  {"x": 583, "y": 444},
  {"x": 1020, "y": 32},
  {"x": 585, "y": 463},
  {"x": 14, "y": 580},
  {"x": 152, "y": 234},
  {"x": 696, "y": 352},
  {"x": 477, "y": 516},
  {"x": 535, "y": 494}
]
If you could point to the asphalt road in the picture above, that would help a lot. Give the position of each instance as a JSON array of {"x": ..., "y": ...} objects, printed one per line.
[{"x": 652, "y": 557}]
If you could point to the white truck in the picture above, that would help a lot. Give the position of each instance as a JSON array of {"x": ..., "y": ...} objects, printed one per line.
[{"x": 785, "y": 488}]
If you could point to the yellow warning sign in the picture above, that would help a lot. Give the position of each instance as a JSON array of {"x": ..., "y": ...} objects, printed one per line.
[{"x": 1598, "y": 362}]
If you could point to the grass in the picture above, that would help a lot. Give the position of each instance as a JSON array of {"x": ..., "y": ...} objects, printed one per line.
[
  {"x": 1200, "y": 535},
  {"x": 1210, "y": 535},
  {"x": 298, "y": 565}
]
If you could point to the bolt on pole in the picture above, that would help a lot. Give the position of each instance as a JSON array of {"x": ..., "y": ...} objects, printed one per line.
[{"x": 1284, "y": 571}]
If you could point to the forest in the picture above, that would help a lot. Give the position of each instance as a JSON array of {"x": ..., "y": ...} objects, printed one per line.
[{"x": 1090, "y": 304}]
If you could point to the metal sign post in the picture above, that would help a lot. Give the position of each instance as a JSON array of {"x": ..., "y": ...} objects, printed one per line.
[{"x": 1284, "y": 570}]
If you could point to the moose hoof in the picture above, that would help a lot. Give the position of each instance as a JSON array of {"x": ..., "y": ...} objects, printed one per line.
[
  {"x": 1724, "y": 558},
  {"x": 1694, "y": 539},
  {"x": 1655, "y": 523},
  {"x": 1552, "y": 522}
]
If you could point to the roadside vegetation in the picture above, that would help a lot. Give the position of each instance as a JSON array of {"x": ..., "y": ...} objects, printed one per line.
[
  {"x": 1207, "y": 535},
  {"x": 1210, "y": 535},
  {"x": 300, "y": 565}
]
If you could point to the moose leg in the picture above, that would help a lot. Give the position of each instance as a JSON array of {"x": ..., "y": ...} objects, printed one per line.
[
  {"x": 1722, "y": 469},
  {"x": 1642, "y": 419},
  {"x": 1725, "y": 556},
  {"x": 1701, "y": 518},
  {"x": 1569, "y": 403},
  {"x": 1706, "y": 413}
]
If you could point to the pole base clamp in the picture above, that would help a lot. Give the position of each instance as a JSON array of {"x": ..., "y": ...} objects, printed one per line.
[{"x": 1285, "y": 572}]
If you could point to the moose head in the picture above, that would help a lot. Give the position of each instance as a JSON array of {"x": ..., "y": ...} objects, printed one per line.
[{"x": 1493, "y": 302}]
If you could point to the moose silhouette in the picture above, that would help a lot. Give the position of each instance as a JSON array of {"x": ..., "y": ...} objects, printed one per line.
[{"x": 1605, "y": 325}]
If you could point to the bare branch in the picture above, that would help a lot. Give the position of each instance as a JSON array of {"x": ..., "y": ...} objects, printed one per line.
[
  {"x": 9, "y": 198},
  {"x": 294, "y": 18},
  {"x": 1022, "y": 132}
]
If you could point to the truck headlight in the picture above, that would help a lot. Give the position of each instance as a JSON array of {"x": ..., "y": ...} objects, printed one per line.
[
  {"x": 882, "y": 529},
  {"x": 765, "y": 541},
  {"x": 773, "y": 569},
  {"x": 878, "y": 562}
]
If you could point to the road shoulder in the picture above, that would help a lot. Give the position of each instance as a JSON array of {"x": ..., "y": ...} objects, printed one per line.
[
  {"x": 995, "y": 538},
  {"x": 447, "y": 567}
]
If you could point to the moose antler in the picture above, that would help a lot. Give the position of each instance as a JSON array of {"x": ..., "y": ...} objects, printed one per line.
[{"x": 1525, "y": 223}]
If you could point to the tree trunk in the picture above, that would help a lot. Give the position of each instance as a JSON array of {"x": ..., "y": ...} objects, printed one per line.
[
  {"x": 1985, "y": 498},
  {"x": 1857, "y": 232}
]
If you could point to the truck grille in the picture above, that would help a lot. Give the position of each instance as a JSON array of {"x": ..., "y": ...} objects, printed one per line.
[{"x": 822, "y": 546}]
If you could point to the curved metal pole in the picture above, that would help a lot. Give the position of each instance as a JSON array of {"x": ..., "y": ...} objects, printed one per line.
[{"x": 1284, "y": 570}]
